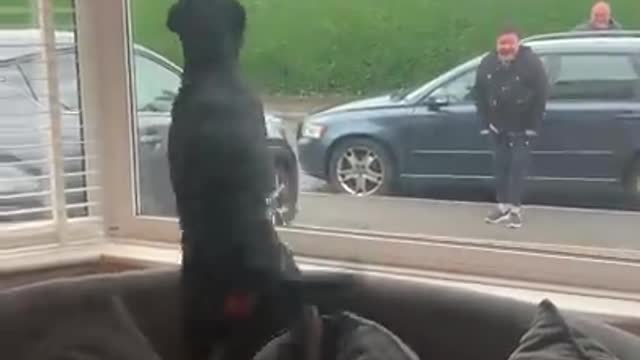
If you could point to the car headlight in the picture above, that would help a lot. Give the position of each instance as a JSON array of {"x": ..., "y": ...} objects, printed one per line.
[
  {"x": 275, "y": 127},
  {"x": 313, "y": 131}
]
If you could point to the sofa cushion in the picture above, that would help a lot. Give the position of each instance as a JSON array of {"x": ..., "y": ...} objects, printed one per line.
[
  {"x": 100, "y": 328},
  {"x": 432, "y": 320},
  {"x": 426, "y": 317},
  {"x": 552, "y": 338},
  {"x": 344, "y": 336}
]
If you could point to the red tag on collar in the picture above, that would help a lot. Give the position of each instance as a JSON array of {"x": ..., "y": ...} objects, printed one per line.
[{"x": 238, "y": 306}]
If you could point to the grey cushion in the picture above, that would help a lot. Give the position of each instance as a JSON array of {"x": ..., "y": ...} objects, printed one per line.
[
  {"x": 552, "y": 338},
  {"x": 100, "y": 329},
  {"x": 345, "y": 336}
]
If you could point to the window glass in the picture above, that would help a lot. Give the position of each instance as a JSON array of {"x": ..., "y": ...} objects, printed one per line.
[
  {"x": 156, "y": 85},
  {"x": 25, "y": 116},
  {"x": 593, "y": 77},
  {"x": 357, "y": 154},
  {"x": 67, "y": 77},
  {"x": 459, "y": 90}
]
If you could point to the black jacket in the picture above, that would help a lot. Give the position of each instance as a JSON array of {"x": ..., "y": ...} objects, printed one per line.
[
  {"x": 511, "y": 97},
  {"x": 587, "y": 26}
]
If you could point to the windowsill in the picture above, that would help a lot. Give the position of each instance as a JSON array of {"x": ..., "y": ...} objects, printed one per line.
[{"x": 607, "y": 305}]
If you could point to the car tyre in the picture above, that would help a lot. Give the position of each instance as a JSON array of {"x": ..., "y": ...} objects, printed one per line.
[
  {"x": 286, "y": 202},
  {"x": 361, "y": 167}
]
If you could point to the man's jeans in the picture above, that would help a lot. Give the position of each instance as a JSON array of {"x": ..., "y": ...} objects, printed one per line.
[{"x": 511, "y": 164}]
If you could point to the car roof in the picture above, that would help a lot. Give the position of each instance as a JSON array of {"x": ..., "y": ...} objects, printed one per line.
[
  {"x": 581, "y": 42},
  {"x": 18, "y": 43},
  {"x": 24, "y": 42}
]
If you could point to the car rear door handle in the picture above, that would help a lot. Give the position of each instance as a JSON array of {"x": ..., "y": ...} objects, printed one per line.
[
  {"x": 629, "y": 115},
  {"x": 150, "y": 139}
]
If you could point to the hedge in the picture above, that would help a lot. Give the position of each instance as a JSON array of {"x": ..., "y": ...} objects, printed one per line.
[{"x": 363, "y": 46}]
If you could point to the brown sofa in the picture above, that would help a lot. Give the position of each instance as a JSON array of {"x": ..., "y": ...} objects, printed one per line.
[{"x": 433, "y": 320}]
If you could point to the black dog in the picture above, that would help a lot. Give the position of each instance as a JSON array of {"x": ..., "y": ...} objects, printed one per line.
[{"x": 234, "y": 269}]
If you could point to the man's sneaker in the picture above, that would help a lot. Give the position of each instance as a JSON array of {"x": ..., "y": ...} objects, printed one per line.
[
  {"x": 515, "y": 220},
  {"x": 497, "y": 216}
]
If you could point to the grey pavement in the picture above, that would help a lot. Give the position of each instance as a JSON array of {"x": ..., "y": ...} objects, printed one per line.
[{"x": 546, "y": 225}]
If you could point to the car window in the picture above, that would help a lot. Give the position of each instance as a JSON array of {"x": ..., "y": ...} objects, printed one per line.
[
  {"x": 20, "y": 115},
  {"x": 592, "y": 77},
  {"x": 11, "y": 78},
  {"x": 458, "y": 90},
  {"x": 33, "y": 70},
  {"x": 156, "y": 85}
]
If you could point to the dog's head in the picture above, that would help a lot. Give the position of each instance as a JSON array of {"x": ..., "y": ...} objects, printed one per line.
[{"x": 210, "y": 30}]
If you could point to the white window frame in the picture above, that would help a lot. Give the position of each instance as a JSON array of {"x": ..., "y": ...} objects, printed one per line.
[{"x": 110, "y": 102}]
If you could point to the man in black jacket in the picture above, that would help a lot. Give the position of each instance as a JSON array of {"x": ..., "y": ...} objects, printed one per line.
[
  {"x": 601, "y": 19},
  {"x": 511, "y": 92}
]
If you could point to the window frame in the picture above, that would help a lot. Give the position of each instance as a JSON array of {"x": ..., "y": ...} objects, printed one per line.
[{"x": 552, "y": 264}]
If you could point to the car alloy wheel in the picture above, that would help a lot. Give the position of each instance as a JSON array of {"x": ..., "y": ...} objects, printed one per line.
[
  {"x": 360, "y": 171},
  {"x": 280, "y": 202}
]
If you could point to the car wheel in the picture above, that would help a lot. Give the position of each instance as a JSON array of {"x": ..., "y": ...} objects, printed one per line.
[
  {"x": 361, "y": 167},
  {"x": 285, "y": 197}
]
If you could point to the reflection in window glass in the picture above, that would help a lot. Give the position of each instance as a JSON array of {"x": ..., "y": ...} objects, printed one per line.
[
  {"x": 157, "y": 81},
  {"x": 371, "y": 136},
  {"x": 25, "y": 184}
]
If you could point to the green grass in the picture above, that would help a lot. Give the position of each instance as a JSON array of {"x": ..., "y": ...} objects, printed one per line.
[
  {"x": 356, "y": 46},
  {"x": 361, "y": 46},
  {"x": 21, "y": 14}
]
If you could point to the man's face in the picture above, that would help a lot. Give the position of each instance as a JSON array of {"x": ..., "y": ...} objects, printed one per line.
[
  {"x": 508, "y": 46},
  {"x": 601, "y": 16}
]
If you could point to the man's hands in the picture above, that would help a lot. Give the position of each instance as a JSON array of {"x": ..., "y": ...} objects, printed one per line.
[{"x": 492, "y": 129}]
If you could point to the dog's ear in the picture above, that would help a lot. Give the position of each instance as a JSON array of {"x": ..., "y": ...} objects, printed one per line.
[
  {"x": 238, "y": 18},
  {"x": 176, "y": 17}
]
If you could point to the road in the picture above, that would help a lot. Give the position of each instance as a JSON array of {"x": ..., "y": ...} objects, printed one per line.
[{"x": 464, "y": 220}]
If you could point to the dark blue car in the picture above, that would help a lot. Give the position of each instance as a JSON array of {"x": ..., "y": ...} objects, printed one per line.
[{"x": 590, "y": 134}]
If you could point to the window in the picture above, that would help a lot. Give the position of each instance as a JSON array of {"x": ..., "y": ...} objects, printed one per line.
[
  {"x": 156, "y": 85},
  {"x": 458, "y": 90},
  {"x": 430, "y": 232},
  {"x": 593, "y": 77},
  {"x": 47, "y": 185},
  {"x": 157, "y": 82},
  {"x": 67, "y": 77}
]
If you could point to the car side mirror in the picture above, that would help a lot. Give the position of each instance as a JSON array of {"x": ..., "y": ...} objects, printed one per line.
[{"x": 436, "y": 102}]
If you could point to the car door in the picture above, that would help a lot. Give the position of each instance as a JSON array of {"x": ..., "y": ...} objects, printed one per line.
[
  {"x": 583, "y": 136},
  {"x": 446, "y": 140},
  {"x": 156, "y": 86}
]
